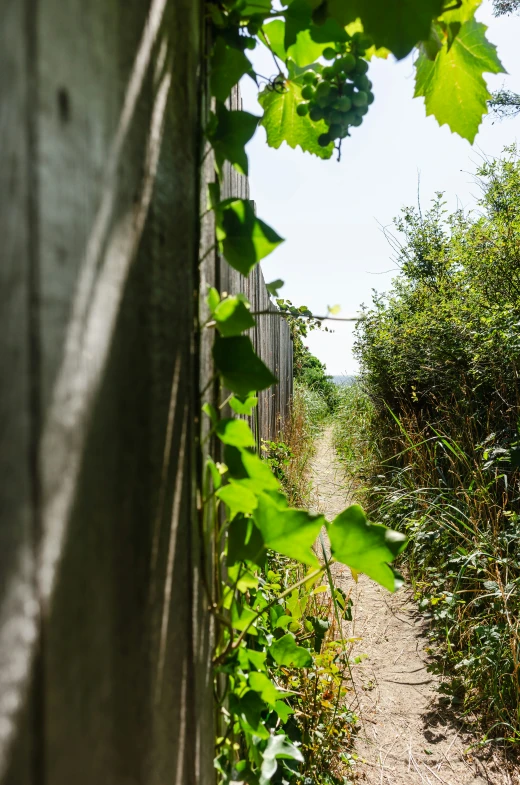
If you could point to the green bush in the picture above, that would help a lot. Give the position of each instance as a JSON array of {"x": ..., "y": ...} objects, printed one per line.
[{"x": 432, "y": 427}]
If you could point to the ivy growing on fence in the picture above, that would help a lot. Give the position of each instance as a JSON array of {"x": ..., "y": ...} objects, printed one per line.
[{"x": 267, "y": 636}]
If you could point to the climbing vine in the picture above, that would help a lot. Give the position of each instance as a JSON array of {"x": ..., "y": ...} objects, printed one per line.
[{"x": 279, "y": 680}]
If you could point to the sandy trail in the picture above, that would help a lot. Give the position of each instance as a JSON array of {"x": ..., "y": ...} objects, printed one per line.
[{"x": 406, "y": 737}]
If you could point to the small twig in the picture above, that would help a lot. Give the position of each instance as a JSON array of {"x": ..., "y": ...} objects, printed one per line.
[
  {"x": 287, "y": 315},
  {"x": 436, "y": 775},
  {"x": 445, "y": 754}
]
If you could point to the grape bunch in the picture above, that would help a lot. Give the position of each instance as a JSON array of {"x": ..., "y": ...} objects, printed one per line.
[{"x": 340, "y": 95}]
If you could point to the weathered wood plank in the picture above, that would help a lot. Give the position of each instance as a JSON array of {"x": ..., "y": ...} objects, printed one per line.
[{"x": 18, "y": 402}]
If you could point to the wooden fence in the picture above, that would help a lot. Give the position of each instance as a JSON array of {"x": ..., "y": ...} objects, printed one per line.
[
  {"x": 105, "y": 636},
  {"x": 271, "y": 337}
]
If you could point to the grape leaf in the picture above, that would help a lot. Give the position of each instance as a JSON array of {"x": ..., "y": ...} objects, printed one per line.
[
  {"x": 241, "y": 369},
  {"x": 298, "y": 17},
  {"x": 229, "y": 137},
  {"x": 248, "y": 468},
  {"x": 453, "y": 86},
  {"x": 243, "y": 238},
  {"x": 245, "y": 543},
  {"x": 255, "y": 7},
  {"x": 305, "y": 51},
  {"x": 381, "y": 52},
  {"x": 396, "y": 25},
  {"x": 213, "y": 298},
  {"x": 274, "y": 34},
  {"x": 237, "y": 498},
  {"x": 233, "y": 315},
  {"x": 288, "y": 531},
  {"x": 235, "y": 432},
  {"x": 228, "y": 66},
  {"x": 463, "y": 13},
  {"x": 273, "y": 287},
  {"x": 282, "y": 124},
  {"x": 245, "y": 406},
  {"x": 364, "y": 546}
]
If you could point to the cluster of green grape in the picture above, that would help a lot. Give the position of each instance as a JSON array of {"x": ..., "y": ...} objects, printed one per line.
[{"x": 340, "y": 95}]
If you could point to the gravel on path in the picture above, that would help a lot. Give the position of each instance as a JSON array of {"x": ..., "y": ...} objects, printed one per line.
[{"x": 406, "y": 736}]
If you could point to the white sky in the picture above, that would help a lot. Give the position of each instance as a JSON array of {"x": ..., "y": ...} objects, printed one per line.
[{"x": 330, "y": 213}]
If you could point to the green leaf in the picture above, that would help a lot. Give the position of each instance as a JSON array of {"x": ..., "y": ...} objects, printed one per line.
[
  {"x": 213, "y": 298},
  {"x": 298, "y": 17},
  {"x": 273, "y": 287},
  {"x": 320, "y": 627},
  {"x": 283, "y": 710},
  {"x": 262, "y": 684},
  {"x": 305, "y": 51},
  {"x": 255, "y": 7},
  {"x": 463, "y": 13},
  {"x": 243, "y": 238},
  {"x": 248, "y": 658},
  {"x": 249, "y": 710},
  {"x": 233, "y": 315},
  {"x": 454, "y": 89},
  {"x": 245, "y": 543},
  {"x": 210, "y": 411},
  {"x": 228, "y": 66},
  {"x": 245, "y": 406},
  {"x": 282, "y": 622},
  {"x": 274, "y": 33},
  {"x": 229, "y": 137},
  {"x": 241, "y": 619},
  {"x": 242, "y": 579},
  {"x": 235, "y": 432},
  {"x": 214, "y": 197},
  {"x": 250, "y": 470},
  {"x": 296, "y": 604},
  {"x": 282, "y": 124},
  {"x": 278, "y": 747},
  {"x": 364, "y": 546},
  {"x": 397, "y": 25},
  {"x": 285, "y": 651},
  {"x": 241, "y": 369},
  {"x": 373, "y": 51},
  {"x": 288, "y": 531},
  {"x": 215, "y": 474},
  {"x": 237, "y": 498}
]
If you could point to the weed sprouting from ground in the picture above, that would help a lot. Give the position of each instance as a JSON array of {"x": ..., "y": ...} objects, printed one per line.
[
  {"x": 321, "y": 723},
  {"x": 289, "y": 456}
]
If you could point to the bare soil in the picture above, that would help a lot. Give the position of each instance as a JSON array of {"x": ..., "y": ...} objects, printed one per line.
[{"x": 407, "y": 736}]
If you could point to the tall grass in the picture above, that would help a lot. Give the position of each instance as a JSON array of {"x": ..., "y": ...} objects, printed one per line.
[
  {"x": 457, "y": 499},
  {"x": 289, "y": 457}
]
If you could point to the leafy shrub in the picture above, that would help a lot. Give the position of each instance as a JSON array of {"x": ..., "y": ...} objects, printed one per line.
[{"x": 432, "y": 427}]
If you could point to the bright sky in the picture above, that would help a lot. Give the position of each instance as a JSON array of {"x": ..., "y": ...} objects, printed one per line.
[{"x": 330, "y": 213}]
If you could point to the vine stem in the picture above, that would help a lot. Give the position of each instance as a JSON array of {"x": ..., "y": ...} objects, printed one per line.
[
  {"x": 286, "y": 315},
  {"x": 232, "y": 646},
  {"x": 207, "y": 253}
]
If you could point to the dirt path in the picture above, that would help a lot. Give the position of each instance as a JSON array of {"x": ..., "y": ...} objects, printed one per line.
[{"x": 406, "y": 737}]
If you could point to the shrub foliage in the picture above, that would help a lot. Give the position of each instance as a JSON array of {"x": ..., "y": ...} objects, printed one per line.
[{"x": 440, "y": 358}]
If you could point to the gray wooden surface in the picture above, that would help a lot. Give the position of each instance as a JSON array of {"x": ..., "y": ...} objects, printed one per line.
[{"x": 105, "y": 636}]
